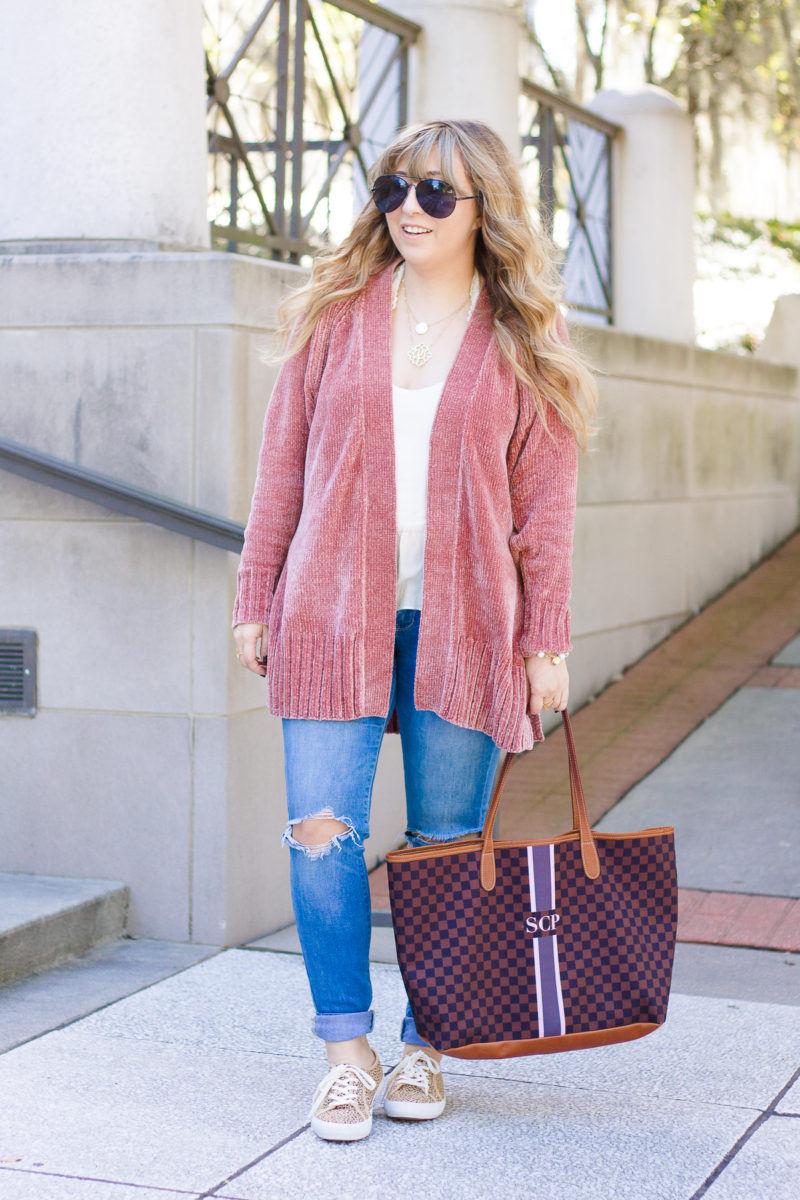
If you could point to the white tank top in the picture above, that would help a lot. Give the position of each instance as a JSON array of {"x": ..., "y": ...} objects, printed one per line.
[{"x": 414, "y": 413}]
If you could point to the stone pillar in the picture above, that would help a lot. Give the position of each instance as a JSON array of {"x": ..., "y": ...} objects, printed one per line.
[
  {"x": 653, "y": 213},
  {"x": 103, "y": 133},
  {"x": 466, "y": 62},
  {"x": 781, "y": 343}
]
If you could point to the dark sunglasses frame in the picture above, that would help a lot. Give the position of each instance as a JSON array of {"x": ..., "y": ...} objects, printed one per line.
[{"x": 436, "y": 197}]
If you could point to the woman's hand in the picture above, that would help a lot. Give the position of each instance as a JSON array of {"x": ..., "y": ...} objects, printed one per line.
[
  {"x": 548, "y": 685},
  {"x": 247, "y": 638}
]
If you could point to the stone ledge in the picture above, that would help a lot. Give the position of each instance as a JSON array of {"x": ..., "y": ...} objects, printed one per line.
[
  {"x": 617, "y": 353},
  {"x": 151, "y": 288},
  {"x": 47, "y": 919}
]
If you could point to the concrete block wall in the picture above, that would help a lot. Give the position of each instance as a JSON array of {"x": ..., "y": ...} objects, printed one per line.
[
  {"x": 693, "y": 477},
  {"x": 152, "y": 759}
]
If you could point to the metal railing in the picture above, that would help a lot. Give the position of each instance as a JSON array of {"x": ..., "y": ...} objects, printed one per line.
[
  {"x": 567, "y": 166},
  {"x": 121, "y": 497},
  {"x": 302, "y": 97}
]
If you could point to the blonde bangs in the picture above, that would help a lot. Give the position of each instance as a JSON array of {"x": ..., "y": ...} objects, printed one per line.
[{"x": 436, "y": 143}]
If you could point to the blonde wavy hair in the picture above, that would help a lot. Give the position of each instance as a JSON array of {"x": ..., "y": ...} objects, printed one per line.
[{"x": 517, "y": 263}]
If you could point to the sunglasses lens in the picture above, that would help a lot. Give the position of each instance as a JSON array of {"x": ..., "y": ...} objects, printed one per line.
[
  {"x": 389, "y": 192},
  {"x": 436, "y": 198}
]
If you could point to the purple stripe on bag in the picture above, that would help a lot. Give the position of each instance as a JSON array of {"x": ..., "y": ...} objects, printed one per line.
[
  {"x": 549, "y": 999},
  {"x": 541, "y": 867}
]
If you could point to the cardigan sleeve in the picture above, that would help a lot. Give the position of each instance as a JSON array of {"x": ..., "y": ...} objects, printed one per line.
[
  {"x": 278, "y": 493},
  {"x": 543, "y": 482}
]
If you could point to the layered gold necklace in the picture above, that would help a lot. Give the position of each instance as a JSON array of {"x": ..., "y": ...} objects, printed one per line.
[{"x": 421, "y": 352}]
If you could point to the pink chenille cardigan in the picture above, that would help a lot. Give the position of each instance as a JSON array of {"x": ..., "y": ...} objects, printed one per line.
[{"x": 319, "y": 559}]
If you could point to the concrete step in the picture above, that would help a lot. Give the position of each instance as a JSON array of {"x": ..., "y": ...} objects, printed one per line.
[{"x": 45, "y": 919}]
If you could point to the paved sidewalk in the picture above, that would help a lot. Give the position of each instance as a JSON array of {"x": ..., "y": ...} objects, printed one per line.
[{"x": 195, "y": 1081}]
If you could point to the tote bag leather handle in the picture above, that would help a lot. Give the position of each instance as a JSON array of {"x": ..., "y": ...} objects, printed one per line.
[{"x": 580, "y": 817}]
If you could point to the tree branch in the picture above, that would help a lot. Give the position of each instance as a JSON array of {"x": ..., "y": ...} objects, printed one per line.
[
  {"x": 560, "y": 82},
  {"x": 649, "y": 64},
  {"x": 596, "y": 59},
  {"x": 792, "y": 56}
]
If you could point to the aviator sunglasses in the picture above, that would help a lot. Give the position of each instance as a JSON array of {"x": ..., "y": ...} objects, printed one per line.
[{"x": 434, "y": 196}]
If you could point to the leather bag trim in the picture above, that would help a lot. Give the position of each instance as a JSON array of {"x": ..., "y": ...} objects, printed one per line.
[
  {"x": 462, "y": 846},
  {"x": 553, "y": 1045}
]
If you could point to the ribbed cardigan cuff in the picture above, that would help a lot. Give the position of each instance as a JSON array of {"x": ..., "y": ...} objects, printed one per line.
[
  {"x": 545, "y": 627},
  {"x": 253, "y": 598}
]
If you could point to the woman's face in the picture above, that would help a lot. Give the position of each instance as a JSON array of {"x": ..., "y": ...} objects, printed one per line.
[{"x": 430, "y": 243}]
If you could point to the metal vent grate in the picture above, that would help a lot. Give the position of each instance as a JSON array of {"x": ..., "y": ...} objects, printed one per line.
[{"x": 18, "y": 672}]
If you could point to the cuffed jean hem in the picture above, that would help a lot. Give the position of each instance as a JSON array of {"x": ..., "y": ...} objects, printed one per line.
[
  {"x": 341, "y": 1027},
  {"x": 410, "y": 1034}
]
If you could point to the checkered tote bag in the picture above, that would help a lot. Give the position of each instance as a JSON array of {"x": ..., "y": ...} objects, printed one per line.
[{"x": 510, "y": 948}]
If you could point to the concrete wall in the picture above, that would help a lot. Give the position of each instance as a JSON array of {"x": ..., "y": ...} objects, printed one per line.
[
  {"x": 152, "y": 758},
  {"x": 694, "y": 477}
]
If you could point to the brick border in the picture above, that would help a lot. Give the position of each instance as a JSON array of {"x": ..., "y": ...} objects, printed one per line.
[
  {"x": 772, "y": 677},
  {"x": 736, "y": 919}
]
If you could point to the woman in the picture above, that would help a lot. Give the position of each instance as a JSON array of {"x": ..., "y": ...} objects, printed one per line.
[{"x": 407, "y": 558}]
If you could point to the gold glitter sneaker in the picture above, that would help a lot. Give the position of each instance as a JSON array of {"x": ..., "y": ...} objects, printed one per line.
[
  {"x": 341, "y": 1110},
  {"x": 415, "y": 1088}
]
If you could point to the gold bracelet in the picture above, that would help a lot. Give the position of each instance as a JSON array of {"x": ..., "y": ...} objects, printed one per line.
[{"x": 554, "y": 656}]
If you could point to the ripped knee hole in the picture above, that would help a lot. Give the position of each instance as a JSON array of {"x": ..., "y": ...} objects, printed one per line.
[
  {"x": 316, "y": 831},
  {"x": 319, "y": 833}
]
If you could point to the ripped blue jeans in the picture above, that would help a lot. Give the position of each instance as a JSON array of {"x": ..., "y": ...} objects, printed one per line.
[{"x": 330, "y": 767}]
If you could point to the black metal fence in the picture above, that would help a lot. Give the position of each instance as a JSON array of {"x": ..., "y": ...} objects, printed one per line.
[
  {"x": 302, "y": 97},
  {"x": 304, "y": 94},
  {"x": 567, "y": 165}
]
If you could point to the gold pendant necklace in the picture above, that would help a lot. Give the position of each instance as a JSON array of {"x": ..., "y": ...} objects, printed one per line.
[
  {"x": 421, "y": 353},
  {"x": 422, "y": 327}
]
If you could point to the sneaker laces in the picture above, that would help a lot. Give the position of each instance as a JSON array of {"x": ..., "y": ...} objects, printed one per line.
[
  {"x": 340, "y": 1087},
  {"x": 414, "y": 1069}
]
